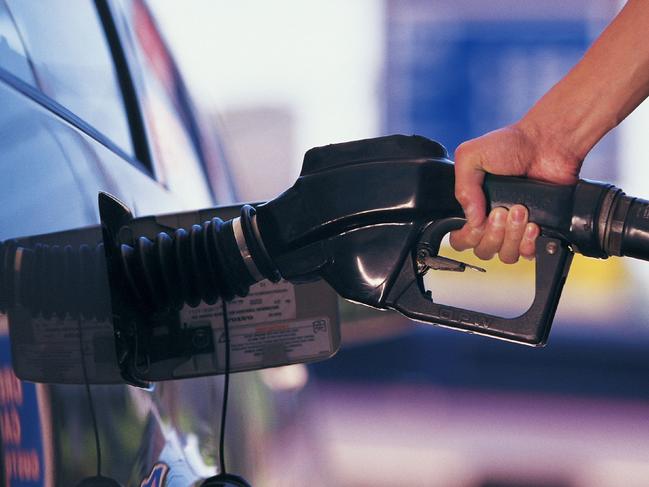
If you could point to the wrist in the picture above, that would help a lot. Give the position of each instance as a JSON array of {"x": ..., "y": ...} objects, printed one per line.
[
  {"x": 575, "y": 114},
  {"x": 557, "y": 134},
  {"x": 552, "y": 154}
]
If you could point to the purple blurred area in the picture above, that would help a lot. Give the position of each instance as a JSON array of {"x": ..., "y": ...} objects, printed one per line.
[{"x": 405, "y": 403}]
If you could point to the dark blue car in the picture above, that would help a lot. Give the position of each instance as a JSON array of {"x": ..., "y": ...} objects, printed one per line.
[{"x": 91, "y": 100}]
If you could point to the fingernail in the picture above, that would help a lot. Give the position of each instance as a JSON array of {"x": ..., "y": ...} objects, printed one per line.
[
  {"x": 530, "y": 231},
  {"x": 518, "y": 214},
  {"x": 498, "y": 217}
]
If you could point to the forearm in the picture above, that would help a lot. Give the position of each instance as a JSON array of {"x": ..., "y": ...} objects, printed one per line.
[{"x": 609, "y": 82}]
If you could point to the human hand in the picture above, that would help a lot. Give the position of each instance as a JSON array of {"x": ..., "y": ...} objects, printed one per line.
[{"x": 515, "y": 150}]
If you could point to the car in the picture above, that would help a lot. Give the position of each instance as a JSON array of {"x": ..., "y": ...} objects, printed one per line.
[{"x": 92, "y": 101}]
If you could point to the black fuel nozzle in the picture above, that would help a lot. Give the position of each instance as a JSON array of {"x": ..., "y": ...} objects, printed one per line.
[{"x": 369, "y": 216}]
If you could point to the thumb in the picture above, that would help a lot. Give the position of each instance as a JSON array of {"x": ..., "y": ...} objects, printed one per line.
[{"x": 469, "y": 178}]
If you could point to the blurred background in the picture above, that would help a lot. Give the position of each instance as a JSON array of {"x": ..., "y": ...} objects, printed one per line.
[{"x": 405, "y": 403}]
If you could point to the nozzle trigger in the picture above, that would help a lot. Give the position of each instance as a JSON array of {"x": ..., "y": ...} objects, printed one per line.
[{"x": 427, "y": 261}]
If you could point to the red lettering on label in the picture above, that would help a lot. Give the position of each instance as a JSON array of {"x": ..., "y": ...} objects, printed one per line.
[
  {"x": 10, "y": 425},
  {"x": 271, "y": 328},
  {"x": 22, "y": 465},
  {"x": 11, "y": 389}
]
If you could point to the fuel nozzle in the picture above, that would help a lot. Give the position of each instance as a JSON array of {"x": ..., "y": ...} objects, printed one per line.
[{"x": 368, "y": 217}]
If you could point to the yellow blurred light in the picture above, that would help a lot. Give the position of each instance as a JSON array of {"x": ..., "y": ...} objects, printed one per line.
[{"x": 288, "y": 378}]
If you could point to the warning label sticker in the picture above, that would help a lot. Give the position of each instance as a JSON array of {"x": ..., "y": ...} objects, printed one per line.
[
  {"x": 267, "y": 328},
  {"x": 49, "y": 350},
  {"x": 273, "y": 344},
  {"x": 264, "y": 331},
  {"x": 265, "y": 302}
]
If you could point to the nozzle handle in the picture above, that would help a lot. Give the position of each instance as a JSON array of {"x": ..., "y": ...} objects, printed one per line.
[{"x": 553, "y": 259}]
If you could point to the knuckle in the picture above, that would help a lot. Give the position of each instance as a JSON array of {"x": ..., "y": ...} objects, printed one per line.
[
  {"x": 462, "y": 193},
  {"x": 462, "y": 152}
]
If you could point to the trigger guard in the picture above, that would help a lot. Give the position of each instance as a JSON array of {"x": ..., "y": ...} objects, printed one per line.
[
  {"x": 531, "y": 328},
  {"x": 553, "y": 258},
  {"x": 434, "y": 232}
]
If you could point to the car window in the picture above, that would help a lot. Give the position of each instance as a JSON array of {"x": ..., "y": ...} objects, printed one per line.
[
  {"x": 166, "y": 108},
  {"x": 12, "y": 51},
  {"x": 71, "y": 58}
]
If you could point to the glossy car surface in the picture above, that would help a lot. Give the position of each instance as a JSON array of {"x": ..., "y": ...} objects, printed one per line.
[{"x": 92, "y": 101}]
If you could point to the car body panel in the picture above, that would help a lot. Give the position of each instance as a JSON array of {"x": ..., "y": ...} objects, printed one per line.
[{"x": 53, "y": 167}]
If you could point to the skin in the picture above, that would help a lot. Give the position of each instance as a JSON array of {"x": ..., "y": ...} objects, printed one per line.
[{"x": 551, "y": 141}]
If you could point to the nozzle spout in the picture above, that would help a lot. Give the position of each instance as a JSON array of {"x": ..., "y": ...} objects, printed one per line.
[{"x": 635, "y": 233}]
